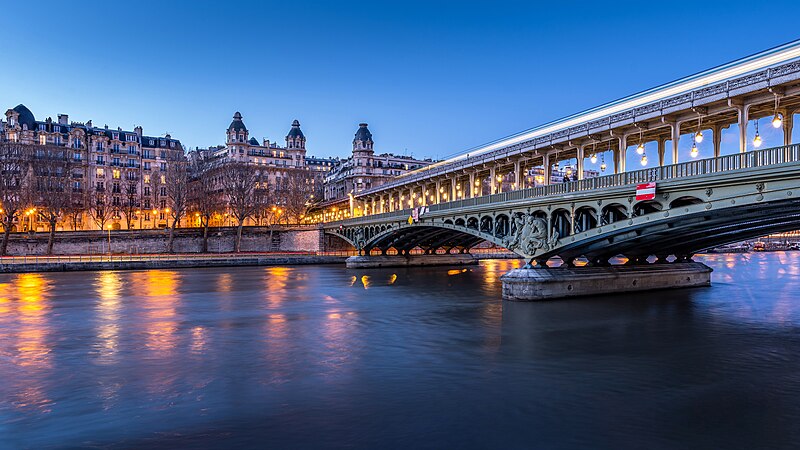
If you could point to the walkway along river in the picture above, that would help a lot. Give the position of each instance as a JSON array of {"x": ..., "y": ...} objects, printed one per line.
[{"x": 310, "y": 356}]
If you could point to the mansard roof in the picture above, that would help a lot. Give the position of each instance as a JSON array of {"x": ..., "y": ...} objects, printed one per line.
[
  {"x": 237, "y": 124},
  {"x": 25, "y": 116},
  {"x": 363, "y": 133},
  {"x": 295, "y": 130}
]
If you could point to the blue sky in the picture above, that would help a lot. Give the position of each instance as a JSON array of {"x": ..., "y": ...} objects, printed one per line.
[{"x": 431, "y": 78}]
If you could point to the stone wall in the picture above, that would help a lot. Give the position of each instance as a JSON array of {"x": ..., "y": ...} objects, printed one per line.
[{"x": 190, "y": 240}]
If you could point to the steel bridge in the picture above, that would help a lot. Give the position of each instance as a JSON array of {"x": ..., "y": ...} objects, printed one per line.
[{"x": 698, "y": 204}]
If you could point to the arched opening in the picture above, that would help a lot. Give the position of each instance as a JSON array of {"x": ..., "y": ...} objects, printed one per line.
[
  {"x": 585, "y": 219},
  {"x": 684, "y": 201},
  {"x": 472, "y": 223},
  {"x": 561, "y": 222},
  {"x": 448, "y": 222},
  {"x": 502, "y": 226},
  {"x": 460, "y": 222},
  {"x": 486, "y": 224},
  {"x": 646, "y": 207},
  {"x": 612, "y": 213}
]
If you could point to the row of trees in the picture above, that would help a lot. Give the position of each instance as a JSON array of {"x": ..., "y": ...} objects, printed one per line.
[
  {"x": 244, "y": 191},
  {"x": 48, "y": 181}
]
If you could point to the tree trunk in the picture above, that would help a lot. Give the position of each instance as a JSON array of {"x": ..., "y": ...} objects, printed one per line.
[
  {"x": 205, "y": 237},
  {"x": 238, "y": 246},
  {"x": 52, "y": 237},
  {"x": 6, "y": 235},
  {"x": 172, "y": 235}
]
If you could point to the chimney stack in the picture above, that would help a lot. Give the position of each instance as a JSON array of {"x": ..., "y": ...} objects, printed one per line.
[
  {"x": 138, "y": 130},
  {"x": 63, "y": 119}
]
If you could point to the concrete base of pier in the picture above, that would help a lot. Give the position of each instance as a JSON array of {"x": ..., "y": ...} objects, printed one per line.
[
  {"x": 365, "y": 262},
  {"x": 552, "y": 283}
]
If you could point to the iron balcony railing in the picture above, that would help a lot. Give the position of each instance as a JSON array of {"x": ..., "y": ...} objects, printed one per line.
[{"x": 727, "y": 163}]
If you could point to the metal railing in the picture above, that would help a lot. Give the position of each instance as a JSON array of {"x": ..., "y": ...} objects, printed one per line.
[{"x": 757, "y": 158}]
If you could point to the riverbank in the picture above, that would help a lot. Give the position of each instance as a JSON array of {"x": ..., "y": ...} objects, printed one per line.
[{"x": 25, "y": 264}]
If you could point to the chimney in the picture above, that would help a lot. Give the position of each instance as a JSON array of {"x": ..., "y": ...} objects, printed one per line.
[
  {"x": 266, "y": 142},
  {"x": 89, "y": 124},
  {"x": 138, "y": 130},
  {"x": 63, "y": 119}
]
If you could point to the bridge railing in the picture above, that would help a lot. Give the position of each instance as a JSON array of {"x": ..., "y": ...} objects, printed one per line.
[{"x": 727, "y": 163}]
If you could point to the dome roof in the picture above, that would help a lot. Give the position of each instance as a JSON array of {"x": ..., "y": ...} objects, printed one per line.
[
  {"x": 237, "y": 123},
  {"x": 25, "y": 116},
  {"x": 253, "y": 141},
  {"x": 363, "y": 133},
  {"x": 295, "y": 131}
]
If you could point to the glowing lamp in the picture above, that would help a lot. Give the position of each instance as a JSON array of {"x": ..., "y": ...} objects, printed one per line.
[
  {"x": 593, "y": 158},
  {"x": 698, "y": 137},
  {"x": 694, "y": 151},
  {"x": 640, "y": 149},
  {"x": 757, "y": 141},
  {"x": 644, "y": 160},
  {"x": 777, "y": 121}
]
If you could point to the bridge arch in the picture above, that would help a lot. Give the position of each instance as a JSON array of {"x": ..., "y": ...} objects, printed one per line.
[
  {"x": 647, "y": 207},
  {"x": 562, "y": 222}
]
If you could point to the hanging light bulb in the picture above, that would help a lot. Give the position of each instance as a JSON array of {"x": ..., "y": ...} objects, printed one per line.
[
  {"x": 569, "y": 170},
  {"x": 694, "y": 151},
  {"x": 644, "y": 160},
  {"x": 777, "y": 121},
  {"x": 757, "y": 139},
  {"x": 603, "y": 167},
  {"x": 593, "y": 158},
  {"x": 640, "y": 149},
  {"x": 698, "y": 137}
]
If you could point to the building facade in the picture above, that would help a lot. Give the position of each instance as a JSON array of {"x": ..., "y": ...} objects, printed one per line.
[
  {"x": 365, "y": 169},
  {"x": 124, "y": 170},
  {"x": 276, "y": 162}
]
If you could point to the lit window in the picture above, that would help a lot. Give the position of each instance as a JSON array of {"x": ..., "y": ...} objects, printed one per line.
[
  {"x": 116, "y": 174},
  {"x": 42, "y": 139}
]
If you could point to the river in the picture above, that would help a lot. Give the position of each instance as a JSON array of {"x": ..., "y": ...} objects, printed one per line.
[{"x": 322, "y": 356}]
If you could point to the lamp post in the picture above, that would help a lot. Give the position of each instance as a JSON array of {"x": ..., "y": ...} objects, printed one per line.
[{"x": 108, "y": 226}]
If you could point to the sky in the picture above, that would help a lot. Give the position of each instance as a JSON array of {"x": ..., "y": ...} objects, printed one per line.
[{"x": 432, "y": 78}]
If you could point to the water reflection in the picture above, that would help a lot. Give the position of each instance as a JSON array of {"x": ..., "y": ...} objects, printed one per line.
[
  {"x": 212, "y": 358},
  {"x": 108, "y": 287}
]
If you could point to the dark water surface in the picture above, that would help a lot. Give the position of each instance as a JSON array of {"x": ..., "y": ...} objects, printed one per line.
[{"x": 427, "y": 357}]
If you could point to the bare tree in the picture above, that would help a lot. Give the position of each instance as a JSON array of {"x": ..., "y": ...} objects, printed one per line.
[
  {"x": 132, "y": 204},
  {"x": 240, "y": 183},
  {"x": 14, "y": 184},
  {"x": 204, "y": 196},
  {"x": 177, "y": 179},
  {"x": 295, "y": 195},
  {"x": 80, "y": 202},
  {"x": 52, "y": 191},
  {"x": 155, "y": 194},
  {"x": 101, "y": 208}
]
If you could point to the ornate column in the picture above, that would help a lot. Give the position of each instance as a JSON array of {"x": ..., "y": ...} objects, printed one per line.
[
  {"x": 661, "y": 151},
  {"x": 788, "y": 124},
  {"x": 548, "y": 169},
  {"x": 472, "y": 185},
  {"x": 438, "y": 191},
  {"x": 581, "y": 156},
  {"x": 717, "y": 131},
  {"x": 619, "y": 164},
  {"x": 675, "y": 128},
  {"x": 492, "y": 180},
  {"x": 743, "y": 112}
]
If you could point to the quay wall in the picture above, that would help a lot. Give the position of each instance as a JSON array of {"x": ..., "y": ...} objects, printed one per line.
[{"x": 187, "y": 240}]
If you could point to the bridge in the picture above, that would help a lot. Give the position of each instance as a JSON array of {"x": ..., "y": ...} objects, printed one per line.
[{"x": 489, "y": 194}]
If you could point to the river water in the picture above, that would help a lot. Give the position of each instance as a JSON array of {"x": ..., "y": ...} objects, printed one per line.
[{"x": 307, "y": 357}]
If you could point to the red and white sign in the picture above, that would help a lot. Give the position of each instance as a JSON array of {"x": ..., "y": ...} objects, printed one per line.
[{"x": 645, "y": 191}]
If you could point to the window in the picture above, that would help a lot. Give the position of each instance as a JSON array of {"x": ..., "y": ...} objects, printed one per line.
[
  {"x": 172, "y": 144},
  {"x": 42, "y": 139},
  {"x": 115, "y": 174},
  {"x": 147, "y": 179},
  {"x": 76, "y": 156},
  {"x": 147, "y": 192},
  {"x": 57, "y": 140},
  {"x": 151, "y": 143},
  {"x": 115, "y": 188},
  {"x": 100, "y": 186},
  {"x": 100, "y": 173},
  {"x": 163, "y": 179},
  {"x": 76, "y": 143},
  {"x": 146, "y": 165},
  {"x": 163, "y": 154},
  {"x": 100, "y": 147},
  {"x": 130, "y": 137},
  {"x": 163, "y": 192},
  {"x": 42, "y": 127}
]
